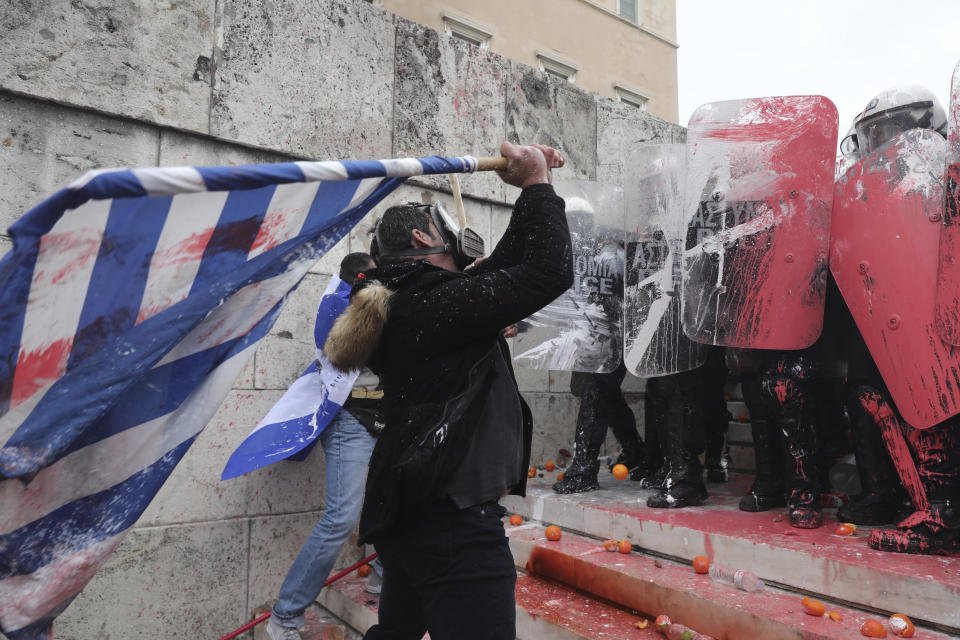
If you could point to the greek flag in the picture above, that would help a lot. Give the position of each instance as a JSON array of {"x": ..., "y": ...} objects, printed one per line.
[
  {"x": 130, "y": 302},
  {"x": 307, "y": 407}
]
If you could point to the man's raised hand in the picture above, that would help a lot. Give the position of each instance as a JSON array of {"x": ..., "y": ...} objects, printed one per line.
[{"x": 528, "y": 165}]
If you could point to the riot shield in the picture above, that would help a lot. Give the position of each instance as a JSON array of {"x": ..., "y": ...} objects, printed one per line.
[
  {"x": 883, "y": 255},
  {"x": 948, "y": 275},
  {"x": 759, "y": 190},
  {"x": 581, "y": 330},
  {"x": 653, "y": 340}
]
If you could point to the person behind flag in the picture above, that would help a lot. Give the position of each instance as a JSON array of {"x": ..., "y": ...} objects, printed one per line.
[
  {"x": 347, "y": 444},
  {"x": 458, "y": 433}
]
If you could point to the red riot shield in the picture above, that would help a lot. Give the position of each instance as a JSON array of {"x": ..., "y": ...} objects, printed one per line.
[
  {"x": 759, "y": 189},
  {"x": 948, "y": 276},
  {"x": 883, "y": 255}
]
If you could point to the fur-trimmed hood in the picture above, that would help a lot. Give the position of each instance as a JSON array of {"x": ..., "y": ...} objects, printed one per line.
[{"x": 356, "y": 333}]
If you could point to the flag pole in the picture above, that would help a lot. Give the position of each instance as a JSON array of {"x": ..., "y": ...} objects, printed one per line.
[{"x": 491, "y": 164}]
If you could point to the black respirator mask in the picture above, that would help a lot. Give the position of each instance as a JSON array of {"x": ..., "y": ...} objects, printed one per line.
[{"x": 465, "y": 245}]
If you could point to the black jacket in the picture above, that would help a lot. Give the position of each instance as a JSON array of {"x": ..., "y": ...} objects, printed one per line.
[{"x": 441, "y": 345}]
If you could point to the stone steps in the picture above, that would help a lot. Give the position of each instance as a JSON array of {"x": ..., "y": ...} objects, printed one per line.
[
  {"x": 841, "y": 569},
  {"x": 545, "y": 610},
  {"x": 653, "y": 586}
]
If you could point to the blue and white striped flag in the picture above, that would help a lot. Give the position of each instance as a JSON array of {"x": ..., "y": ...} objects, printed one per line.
[
  {"x": 307, "y": 407},
  {"x": 130, "y": 302}
]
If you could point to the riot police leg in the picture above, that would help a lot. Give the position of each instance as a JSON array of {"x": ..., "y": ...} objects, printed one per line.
[
  {"x": 684, "y": 442},
  {"x": 591, "y": 431},
  {"x": 717, "y": 455},
  {"x": 882, "y": 495},
  {"x": 766, "y": 492},
  {"x": 655, "y": 403},
  {"x": 934, "y": 527},
  {"x": 623, "y": 423},
  {"x": 789, "y": 406}
]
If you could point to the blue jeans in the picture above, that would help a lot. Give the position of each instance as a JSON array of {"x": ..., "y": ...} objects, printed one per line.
[{"x": 347, "y": 446}]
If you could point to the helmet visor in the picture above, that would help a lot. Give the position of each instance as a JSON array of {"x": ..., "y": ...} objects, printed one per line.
[{"x": 878, "y": 130}]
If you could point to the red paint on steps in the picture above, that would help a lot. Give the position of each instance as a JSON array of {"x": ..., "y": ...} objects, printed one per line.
[
  {"x": 637, "y": 582},
  {"x": 720, "y": 517}
]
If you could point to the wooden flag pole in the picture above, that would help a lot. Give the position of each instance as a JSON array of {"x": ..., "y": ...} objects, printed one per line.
[{"x": 491, "y": 164}]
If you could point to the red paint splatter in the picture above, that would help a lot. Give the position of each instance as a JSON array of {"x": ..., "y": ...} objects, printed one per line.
[{"x": 37, "y": 368}]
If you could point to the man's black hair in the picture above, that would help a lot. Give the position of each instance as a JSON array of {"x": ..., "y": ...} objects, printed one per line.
[
  {"x": 353, "y": 264},
  {"x": 397, "y": 224}
]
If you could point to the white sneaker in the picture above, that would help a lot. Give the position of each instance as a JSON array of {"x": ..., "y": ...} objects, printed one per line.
[
  {"x": 278, "y": 632},
  {"x": 375, "y": 581}
]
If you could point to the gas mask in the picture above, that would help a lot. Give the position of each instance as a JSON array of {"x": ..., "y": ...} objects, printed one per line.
[{"x": 465, "y": 245}]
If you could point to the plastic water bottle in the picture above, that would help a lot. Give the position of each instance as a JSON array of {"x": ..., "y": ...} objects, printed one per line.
[
  {"x": 676, "y": 631},
  {"x": 735, "y": 577}
]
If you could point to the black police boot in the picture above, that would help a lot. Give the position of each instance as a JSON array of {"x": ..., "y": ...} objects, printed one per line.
[
  {"x": 683, "y": 486},
  {"x": 933, "y": 531},
  {"x": 581, "y": 475},
  {"x": 766, "y": 492},
  {"x": 717, "y": 457},
  {"x": 882, "y": 494},
  {"x": 801, "y": 475}
]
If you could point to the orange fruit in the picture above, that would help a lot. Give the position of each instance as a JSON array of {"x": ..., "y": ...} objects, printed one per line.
[
  {"x": 559, "y": 476},
  {"x": 701, "y": 564},
  {"x": 532, "y": 473},
  {"x": 624, "y": 546},
  {"x": 549, "y": 466},
  {"x": 642, "y": 624},
  {"x": 364, "y": 570},
  {"x": 610, "y": 545},
  {"x": 516, "y": 519},
  {"x": 553, "y": 533},
  {"x": 873, "y": 629},
  {"x": 620, "y": 471},
  {"x": 661, "y": 623},
  {"x": 833, "y": 615},
  {"x": 813, "y": 607},
  {"x": 901, "y": 626},
  {"x": 846, "y": 529}
]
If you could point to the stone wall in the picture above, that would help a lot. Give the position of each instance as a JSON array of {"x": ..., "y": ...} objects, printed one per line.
[{"x": 88, "y": 84}]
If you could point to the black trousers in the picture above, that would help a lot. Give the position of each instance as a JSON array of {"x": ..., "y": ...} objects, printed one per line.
[{"x": 449, "y": 572}]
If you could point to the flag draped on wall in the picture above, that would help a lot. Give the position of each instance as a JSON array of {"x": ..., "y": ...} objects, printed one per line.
[{"x": 130, "y": 302}]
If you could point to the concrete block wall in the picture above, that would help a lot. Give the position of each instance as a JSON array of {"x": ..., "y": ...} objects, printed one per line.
[{"x": 88, "y": 84}]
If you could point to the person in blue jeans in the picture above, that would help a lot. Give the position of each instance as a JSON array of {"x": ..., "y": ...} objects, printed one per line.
[{"x": 347, "y": 445}]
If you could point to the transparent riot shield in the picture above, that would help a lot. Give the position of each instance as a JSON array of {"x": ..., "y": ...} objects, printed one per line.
[
  {"x": 759, "y": 190},
  {"x": 883, "y": 255},
  {"x": 653, "y": 340},
  {"x": 948, "y": 275},
  {"x": 581, "y": 330}
]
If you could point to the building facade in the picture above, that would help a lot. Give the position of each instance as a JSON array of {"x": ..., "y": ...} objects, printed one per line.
[{"x": 624, "y": 49}]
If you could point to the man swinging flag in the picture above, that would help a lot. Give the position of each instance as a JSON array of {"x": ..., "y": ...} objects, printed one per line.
[{"x": 129, "y": 303}]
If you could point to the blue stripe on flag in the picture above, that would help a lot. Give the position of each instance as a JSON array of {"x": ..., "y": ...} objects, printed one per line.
[
  {"x": 113, "y": 184},
  {"x": 164, "y": 388},
  {"x": 83, "y": 522},
  {"x": 250, "y": 176},
  {"x": 365, "y": 169},
  {"x": 329, "y": 309},
  {"x": 112, "y": 303},
  {"x": 237, "y": 228}
]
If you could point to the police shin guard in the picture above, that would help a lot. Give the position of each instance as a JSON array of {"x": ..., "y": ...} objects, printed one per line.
[
  {"x": 882, "y": 496},
  {"x": 800, "y": 473},
  {"x": 766, "y": 492},
  {"x": 683, "y": 486},
  {"x": 581, "y": 475},
  {"x": 786, "y": 400}
]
